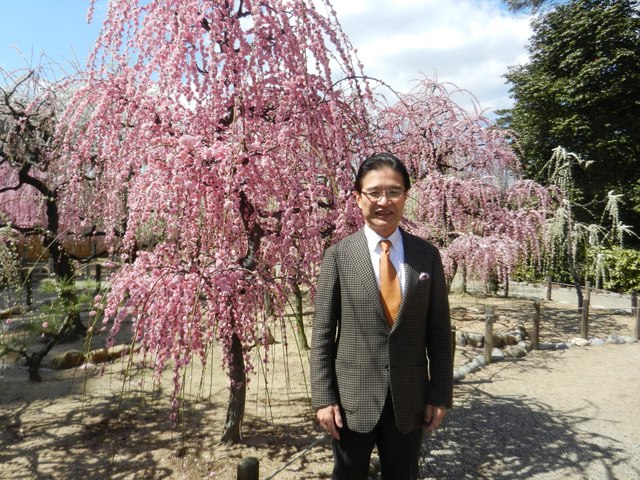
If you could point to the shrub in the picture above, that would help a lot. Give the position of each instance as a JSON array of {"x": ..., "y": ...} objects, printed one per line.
[{"x": 615, "y": 268}]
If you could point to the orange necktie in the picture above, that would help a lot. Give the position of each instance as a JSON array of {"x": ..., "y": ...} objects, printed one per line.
[{"x": 389, "y": 284}]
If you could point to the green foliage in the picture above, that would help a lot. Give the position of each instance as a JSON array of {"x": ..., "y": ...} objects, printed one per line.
[
  {"x": 151, "y": 232},
  {"x": 47, "y": 318},
  {"x": 581, "y": 90},
  {"x": 58, "y": 309},
  {"x": 615, "y": 268},
  {"x": 9, "y": 261}
]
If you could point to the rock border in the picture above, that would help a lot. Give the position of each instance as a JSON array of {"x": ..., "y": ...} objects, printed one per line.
[{"x": 522, "y": 347}]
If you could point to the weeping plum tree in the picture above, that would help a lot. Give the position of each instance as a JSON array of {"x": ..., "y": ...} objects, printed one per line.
[
  {"x": 34, "y": 174},
  {"x": 224, "y": 124},
  {"x": 469, "y": 197},
  {"x": 234, "y": 128}
]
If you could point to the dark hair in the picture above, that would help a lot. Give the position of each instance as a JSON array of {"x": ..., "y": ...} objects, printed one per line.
[{"x": 379, "y": 161}]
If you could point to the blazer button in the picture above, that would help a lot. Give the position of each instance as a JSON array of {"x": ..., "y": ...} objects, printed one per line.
[{"x": 386, "y": 367}]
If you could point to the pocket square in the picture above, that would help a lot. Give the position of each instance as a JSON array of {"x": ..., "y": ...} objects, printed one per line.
[{"x": 424, "y": 276}]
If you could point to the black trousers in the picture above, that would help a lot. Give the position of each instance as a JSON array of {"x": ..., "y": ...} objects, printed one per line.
[{"x": 399, "y": 452}]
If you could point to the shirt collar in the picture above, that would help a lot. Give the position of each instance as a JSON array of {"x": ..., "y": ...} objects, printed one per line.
[{"x": 373, "y": 239}]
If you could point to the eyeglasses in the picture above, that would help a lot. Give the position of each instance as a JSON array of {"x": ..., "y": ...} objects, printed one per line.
[{"x": 392, "y": 194}]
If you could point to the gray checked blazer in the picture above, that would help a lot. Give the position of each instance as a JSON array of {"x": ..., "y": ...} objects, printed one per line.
[{"x": 356, "y": 357}]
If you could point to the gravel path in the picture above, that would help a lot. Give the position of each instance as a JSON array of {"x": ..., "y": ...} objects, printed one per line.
[{"x": 568, "y": 414}]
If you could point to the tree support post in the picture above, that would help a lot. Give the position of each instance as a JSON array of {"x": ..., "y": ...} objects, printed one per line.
[
  {"x": 535, "y": 331},
  {"x": 248, "y": 469},
  {"x": 584, "y": 327},
  {"x": 637, "y": 329},
  {"x": 453, "y": 343},
  {"x": 488, "y": 334},
  {"x": 548, "y": 289}
]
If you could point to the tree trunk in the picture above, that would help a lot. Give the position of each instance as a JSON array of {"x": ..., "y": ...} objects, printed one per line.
[
  {"x": 232, "y": 431},
  {"x": 464, "y": 279},
  {"x": 34, "y": 359},
  {"x": 64, "y": 273},
  {"x": 303, "y": 343},
  {"x": 237, "y": 394}
]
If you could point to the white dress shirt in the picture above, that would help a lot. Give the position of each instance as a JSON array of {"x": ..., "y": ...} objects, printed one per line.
[{"x": 396, "y": 254}]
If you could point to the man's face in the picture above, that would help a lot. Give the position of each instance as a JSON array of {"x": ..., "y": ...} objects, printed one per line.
[{"x": 383, "y": 215}]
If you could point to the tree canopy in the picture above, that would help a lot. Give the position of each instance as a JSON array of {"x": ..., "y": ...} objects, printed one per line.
[
  {"x": 534, "y": 5},
  {"x": 220, "y": 141},
  {"x": 225, "y": 127},
  {"x": 581, "y": 90},
  {"x": 470, "y": 197}
]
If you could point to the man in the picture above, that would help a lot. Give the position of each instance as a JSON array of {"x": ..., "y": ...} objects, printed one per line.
[{"x": 381, "y": 364}]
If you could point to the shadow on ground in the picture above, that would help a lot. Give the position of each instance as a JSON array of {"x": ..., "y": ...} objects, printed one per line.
[
  {"x": 104, "y": 437},
  {"x": 515, "y": 437}
]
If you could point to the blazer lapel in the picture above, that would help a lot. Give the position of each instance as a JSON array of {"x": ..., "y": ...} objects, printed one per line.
[
  {"x": 362, "y": 265},
  {"x": 411, "y": 269}
]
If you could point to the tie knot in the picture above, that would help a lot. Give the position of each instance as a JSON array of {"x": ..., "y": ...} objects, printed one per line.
[{"x": 385, "y": 245}]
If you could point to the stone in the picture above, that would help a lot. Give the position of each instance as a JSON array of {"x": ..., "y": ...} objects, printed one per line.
[
  {"x": 481, "y": 360},
  {"x": 513, "y": 351},
  {"x": 499, "y": 340},
  {"x": 475, "y": 340},
  {"x": 102, "y": 355},
  {"x": 580, "y": 342},
  {"x": 522, "y": 330},
  {"x": 119, "y": 351},
  {"x": 629, "y": 339},
  {"x": 99, "y": 355},
  {"x": 474, "y": 365},
  {"x": 561, "y": 346},
  {"x": 546, "y": 346},
  {"x": 615, "y": 339},
  {"x": 596, "y": 342},
  {"x": 461, "y": 339},
  {"x": 466, "y": 370},
  {"x": 526, "y": 344},
  {"x": 68, "y": 359},
  {"x": 12, "y": 312},
  {"x": 514, "y": 336},
  {"x": 497, "y": 355},
  {"x": 457, "y": 375}
]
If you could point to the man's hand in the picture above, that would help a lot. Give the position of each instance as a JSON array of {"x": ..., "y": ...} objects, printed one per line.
[
  {"x": 330, "y": 420},
  {"x": 433, "y": 417}
]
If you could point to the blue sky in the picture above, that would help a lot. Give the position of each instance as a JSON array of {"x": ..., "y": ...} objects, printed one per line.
[
  {"x": 57, "y": 28},
  {"x": 469, "y": 43}
]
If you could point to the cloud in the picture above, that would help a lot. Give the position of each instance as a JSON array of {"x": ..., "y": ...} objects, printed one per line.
[{"x": 464, "y": 42}]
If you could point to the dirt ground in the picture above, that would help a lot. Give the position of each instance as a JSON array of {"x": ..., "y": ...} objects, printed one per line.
[{"x": 86, "y": 423}]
